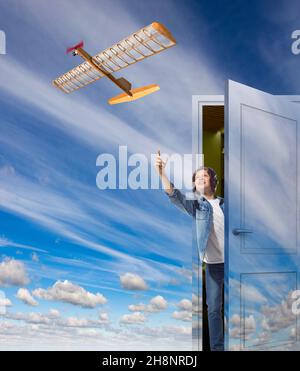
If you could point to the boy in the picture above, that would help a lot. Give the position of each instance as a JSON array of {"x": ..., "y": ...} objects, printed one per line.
[{"x": 208, "y": 213}]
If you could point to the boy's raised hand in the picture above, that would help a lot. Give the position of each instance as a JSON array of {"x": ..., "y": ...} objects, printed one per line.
[{"x": 159, "y": 163}]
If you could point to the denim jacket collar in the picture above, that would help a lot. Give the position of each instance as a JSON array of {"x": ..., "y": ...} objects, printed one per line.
[{"x": 200, "y": 197}]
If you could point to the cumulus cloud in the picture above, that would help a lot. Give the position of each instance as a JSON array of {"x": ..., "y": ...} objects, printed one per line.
[
  {"x": 32, "y": 318},
  {"x": 279, "y": 316},
  {"x": 242, "y": 329},
  {"x": 131, "y": 281},
  {"x": 185, "y": 307},
  {"x": 58, "y": 337},
  {"x": 137, "y": 307},
  {"x": 268, "y": 322},
  {"x": 67, "y": 292},
  {"x": 53, "y": 319},
  {"x": 25, "y": 296},
  {"x": 83, "y": 322},
  {"x": 134, "y": 318},
  {"x": 54, "y": 313},
  {"x": 182, "y": 315},
  {"x": 13, "y": 273},
  {"x": 157, "y": 304},
  {"x": 75, "y": 322},
  {"x": 103, "y": 317},
  {"x": 185, "y": 304}
]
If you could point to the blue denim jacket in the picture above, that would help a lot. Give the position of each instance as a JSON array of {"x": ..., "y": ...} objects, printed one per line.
[{"x": 201, "y": 211}]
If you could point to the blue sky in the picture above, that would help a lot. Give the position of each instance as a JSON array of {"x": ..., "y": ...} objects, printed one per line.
[{"x": 56, "y": 225}]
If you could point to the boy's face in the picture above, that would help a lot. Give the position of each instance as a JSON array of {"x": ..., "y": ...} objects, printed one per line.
[{"x": 202, "y": 181}]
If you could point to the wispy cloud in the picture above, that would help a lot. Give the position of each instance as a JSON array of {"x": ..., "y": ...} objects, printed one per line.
[{"x": 49, "y": 147}]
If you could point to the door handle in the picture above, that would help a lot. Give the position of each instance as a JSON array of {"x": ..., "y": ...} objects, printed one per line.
[{"x": 237, "y": 231}]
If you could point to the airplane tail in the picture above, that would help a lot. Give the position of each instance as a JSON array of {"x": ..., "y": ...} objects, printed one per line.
[
  {"x": 79, "y": 45},
  {"x": 136, "y": 94}
]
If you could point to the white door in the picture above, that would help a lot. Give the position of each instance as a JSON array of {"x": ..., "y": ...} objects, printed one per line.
[{"x": 261, "y": 219}]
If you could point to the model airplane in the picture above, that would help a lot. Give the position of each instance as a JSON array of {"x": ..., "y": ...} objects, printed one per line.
[{"x": 142, "y": 44}]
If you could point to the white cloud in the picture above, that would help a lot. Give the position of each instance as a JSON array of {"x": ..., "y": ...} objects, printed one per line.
[
  {"x": 131, "y": 281},
  {"x": 185, "y": 304},
  {"x": 4, "y": 302},
  {"x": 157, "y": 304},
  {"x": 83, "y": 322},
  {"x": 25, "y": 296},
  {"x": 235, "y": 320},
  {"x": 54, "y": 313},
  {"x": 32, "y": 317},
  {"x": 68, "y": 292},
  {"x": 5, "y": 242},
  {"x": 57, "y": 336},
  {"x": 75, "y": 322},
  {"x": 38, "y": 318},
  {"x": 134, "y": 318},
  {"x": 137, "y": 307},
  {"x": 242, "y": 328},
  {"x": 53, "y": 318},
  {"x": 279, "y": 316},
  {"x": 186, "y": 308},
  {"x": 103, "y": 317},
  {"x": 13, "y": 273},
  {"x": 182, "y": 315}
]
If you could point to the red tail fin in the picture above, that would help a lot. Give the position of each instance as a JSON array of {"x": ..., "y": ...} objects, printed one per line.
[{"x": 79, "y": 45}]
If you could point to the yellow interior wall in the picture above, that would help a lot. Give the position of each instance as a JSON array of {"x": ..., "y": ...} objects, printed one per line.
[{"x": 212, "y": 143}]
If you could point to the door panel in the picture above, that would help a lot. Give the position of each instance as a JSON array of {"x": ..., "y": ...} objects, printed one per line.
[
  {"x": 261, "y": 218},
  {"x": 268, "y": 147}
]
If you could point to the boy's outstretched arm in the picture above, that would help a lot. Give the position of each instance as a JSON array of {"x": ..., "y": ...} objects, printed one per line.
[
  {"x": 160, "y": 166},
  {"x": 176, "y": 197}
]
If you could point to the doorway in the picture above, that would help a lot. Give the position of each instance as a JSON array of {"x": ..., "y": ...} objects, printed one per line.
[{"x": 213, "y": 151}]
